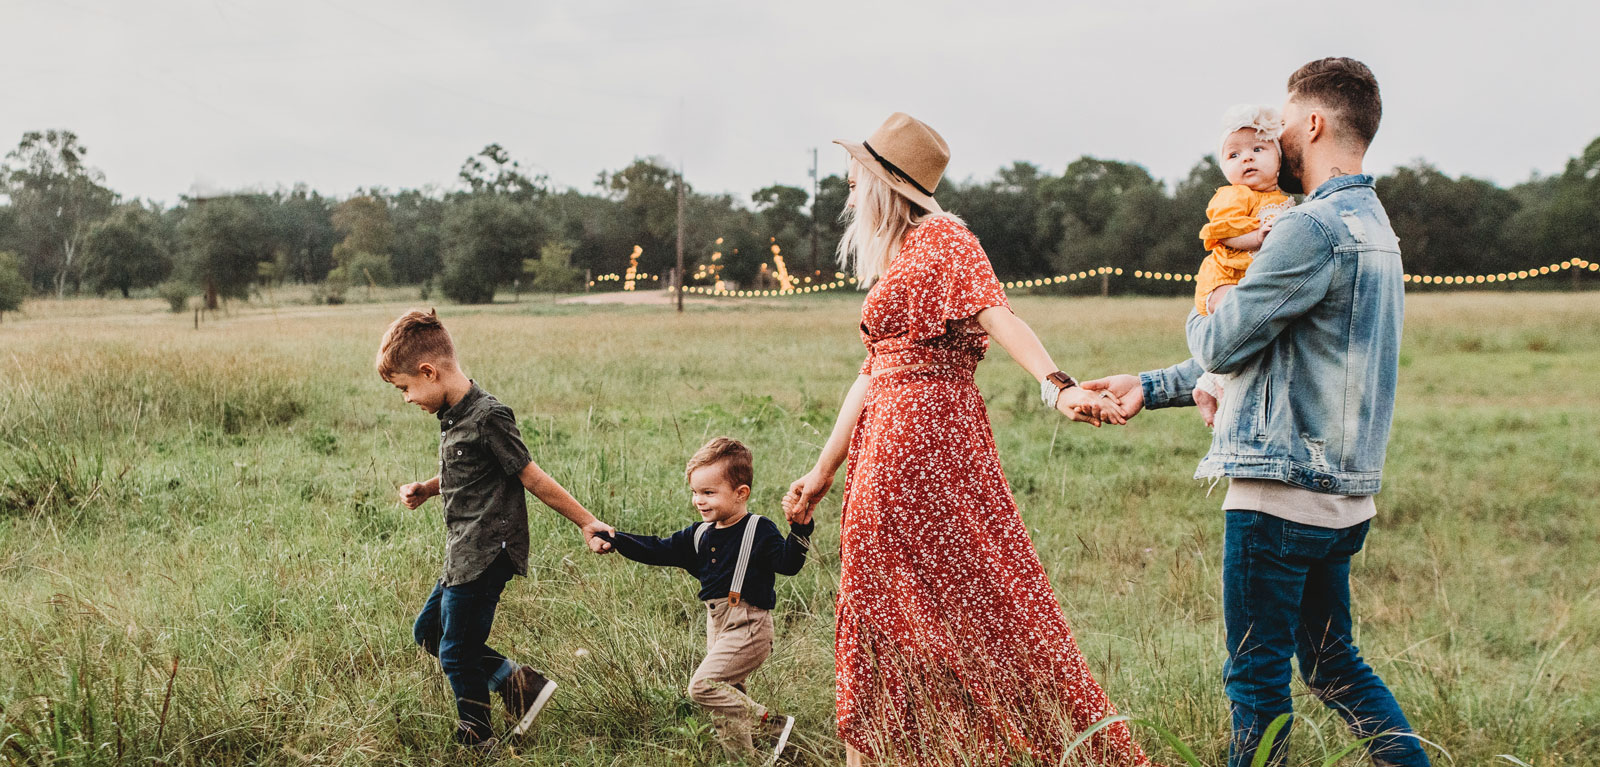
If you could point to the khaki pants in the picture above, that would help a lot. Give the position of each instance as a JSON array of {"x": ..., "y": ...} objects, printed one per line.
[{"x": 738, "y": 640}]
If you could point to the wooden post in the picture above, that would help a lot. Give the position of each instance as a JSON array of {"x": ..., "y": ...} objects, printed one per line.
[
  {"x": 816, "y": 189},
  {"x": 1105, "y": 283},
  {"x": 677, "y": 275}
]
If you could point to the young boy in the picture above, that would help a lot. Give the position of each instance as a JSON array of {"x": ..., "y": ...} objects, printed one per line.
[
  {"x": 483, "y": 470},
  {"x": 734, "y": 554}
]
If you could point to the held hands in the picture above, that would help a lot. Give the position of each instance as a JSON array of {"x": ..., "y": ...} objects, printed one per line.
[
  {"x": 1090, "y": 407},
  {"x": 591, "y": 536},
  {"x": 804, "y": 495},
  {"x": 415, "y": 494},
  {"x": 1127, "y": 390}
]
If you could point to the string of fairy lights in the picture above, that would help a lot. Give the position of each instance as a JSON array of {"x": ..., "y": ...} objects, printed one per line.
[{"x": 840, "y": 280}]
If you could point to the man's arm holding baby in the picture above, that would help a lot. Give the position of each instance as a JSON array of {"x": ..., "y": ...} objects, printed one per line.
[{"x": 552, "y": 494}]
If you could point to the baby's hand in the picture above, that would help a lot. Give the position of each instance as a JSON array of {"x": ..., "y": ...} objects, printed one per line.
[
  {"x": 1216, "y": 297},
  {"x": 414, "y": 494},
  {"x": 1207, "y": 405}
]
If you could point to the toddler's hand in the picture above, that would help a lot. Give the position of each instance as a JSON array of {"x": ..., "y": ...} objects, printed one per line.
[
  {"x": 793, "y": 513},
  {"x": 414, "y": 494}
]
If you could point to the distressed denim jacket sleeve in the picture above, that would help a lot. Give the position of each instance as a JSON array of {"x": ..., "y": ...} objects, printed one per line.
[
  {"x": 1291, "y": 273},
  {"x": 1171, "y": 387}
]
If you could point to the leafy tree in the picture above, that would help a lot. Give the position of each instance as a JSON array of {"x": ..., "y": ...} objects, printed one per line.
[
  {"x": 1004, "y": 214},
  {"x": 649, "y": 205},
  {"x": 784, "y": 218},
  {"x": 225, "y": 239},
  {"x": 487, "y": 237},
  {"x": 492, "y": 171},
  {"x": 594, "y": 226},
  {"x": 13, "y": 288},
  {"x": 1569, "y": 222},
  {"x": 745, "y": 243},
  {"x": 418, "y": 222},
  {"x": 56, "y": 198},
  {"x": 127, "y": 250},
  {"x": 304, "y": 236},
  {"x": 363, "y": 221},
  {"x": 1080, "y": 208},
  {"x": 1445, "y": 225},
  {"x": 832, "y": 194}
]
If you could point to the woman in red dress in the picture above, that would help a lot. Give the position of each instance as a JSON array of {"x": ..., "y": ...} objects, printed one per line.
[{"x": 950, "y": 645}]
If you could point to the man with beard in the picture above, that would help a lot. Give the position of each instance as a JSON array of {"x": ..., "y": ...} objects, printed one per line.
[{"x": 1311, "y": 336}]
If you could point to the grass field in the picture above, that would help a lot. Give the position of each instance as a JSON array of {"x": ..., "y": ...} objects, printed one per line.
[{"x": 202, "y": 561}]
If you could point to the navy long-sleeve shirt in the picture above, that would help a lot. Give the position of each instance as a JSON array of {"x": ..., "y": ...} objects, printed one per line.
[{"x": 771, "y": 553}]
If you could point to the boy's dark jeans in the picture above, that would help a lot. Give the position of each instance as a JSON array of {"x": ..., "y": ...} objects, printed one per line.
[
  {"x": 1286, "y": 592},
  {"x": 454, "y": 627}
]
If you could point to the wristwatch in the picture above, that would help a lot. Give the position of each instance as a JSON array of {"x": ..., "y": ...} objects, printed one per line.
[{"x": 1051, "y": 387}]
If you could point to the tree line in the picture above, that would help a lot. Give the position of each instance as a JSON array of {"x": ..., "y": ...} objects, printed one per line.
[{"x": 63, "y": 230}]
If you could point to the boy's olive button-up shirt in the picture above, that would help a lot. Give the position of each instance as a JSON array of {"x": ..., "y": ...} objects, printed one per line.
[{"x": 480, "y": 457}]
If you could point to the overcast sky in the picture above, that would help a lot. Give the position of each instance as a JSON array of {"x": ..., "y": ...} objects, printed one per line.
[{"x": 341, "y": 94}]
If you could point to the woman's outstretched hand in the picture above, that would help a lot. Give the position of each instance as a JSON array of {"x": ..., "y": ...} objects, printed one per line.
[
  {"x": 804, "y": 495},
  {"x": 1090, "y": 407}
]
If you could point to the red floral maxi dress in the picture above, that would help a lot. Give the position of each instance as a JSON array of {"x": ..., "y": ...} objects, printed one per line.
[{"x": 950, "y": 640}]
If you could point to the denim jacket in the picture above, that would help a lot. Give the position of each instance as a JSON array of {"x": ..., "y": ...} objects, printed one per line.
[{"x": 1311, "y": 337}]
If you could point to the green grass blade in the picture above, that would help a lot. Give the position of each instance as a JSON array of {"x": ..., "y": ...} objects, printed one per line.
[
  {"x": 1264, "y": 748},
  {"x": 1086, "y": 734},
  {"x": 1172, "y": 740}
]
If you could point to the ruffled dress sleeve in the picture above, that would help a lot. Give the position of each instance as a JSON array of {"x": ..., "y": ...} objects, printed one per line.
[
  {"x": 950, "y": 279},
  {"x": 1229, "y": 214}
]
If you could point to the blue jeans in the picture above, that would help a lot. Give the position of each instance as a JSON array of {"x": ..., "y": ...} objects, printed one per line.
[
  {"x": 1286, "y": 592},
  {"x": 454, "y": 627}
]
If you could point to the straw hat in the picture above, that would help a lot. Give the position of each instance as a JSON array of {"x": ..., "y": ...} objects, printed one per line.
[{"x": 908, "y": 155}]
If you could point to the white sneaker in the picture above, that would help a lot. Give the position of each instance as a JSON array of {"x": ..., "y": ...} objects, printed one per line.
[{"x": 779, "y": 727}]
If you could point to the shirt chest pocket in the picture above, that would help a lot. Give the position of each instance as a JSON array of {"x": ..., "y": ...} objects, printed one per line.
[{"x": 461, "y": 457}]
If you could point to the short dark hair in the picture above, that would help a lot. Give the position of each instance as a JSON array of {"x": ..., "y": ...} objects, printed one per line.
[
  {"x": 415, "y": 338},
  {"x": 1345, "y": 86},
  {"x": 737, "y": 465}
]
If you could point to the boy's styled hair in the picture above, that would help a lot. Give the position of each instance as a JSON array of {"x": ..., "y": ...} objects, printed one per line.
[
  {"x": 415, "y": 338},
  {"x": 1345, "y": 86},
  {"x": 733, "y": 455}
]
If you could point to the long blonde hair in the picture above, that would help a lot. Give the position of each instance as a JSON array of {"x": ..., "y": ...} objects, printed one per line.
[{"x": 876, "y": 225}]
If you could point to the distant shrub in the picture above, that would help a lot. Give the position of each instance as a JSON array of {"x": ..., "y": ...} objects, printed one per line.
[
  {"x": 12, "y": 287},
  {"x": 547, "y": 277},
  {"x": 368, "y": 268},
  {"x": 176, "y": 295},
  {"x": 333, "y": 289}
]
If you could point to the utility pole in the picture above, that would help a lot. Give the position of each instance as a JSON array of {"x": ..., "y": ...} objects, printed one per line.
[
  {"x": 677, "y": 276},
  {"x": 816, "y": 189}
]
